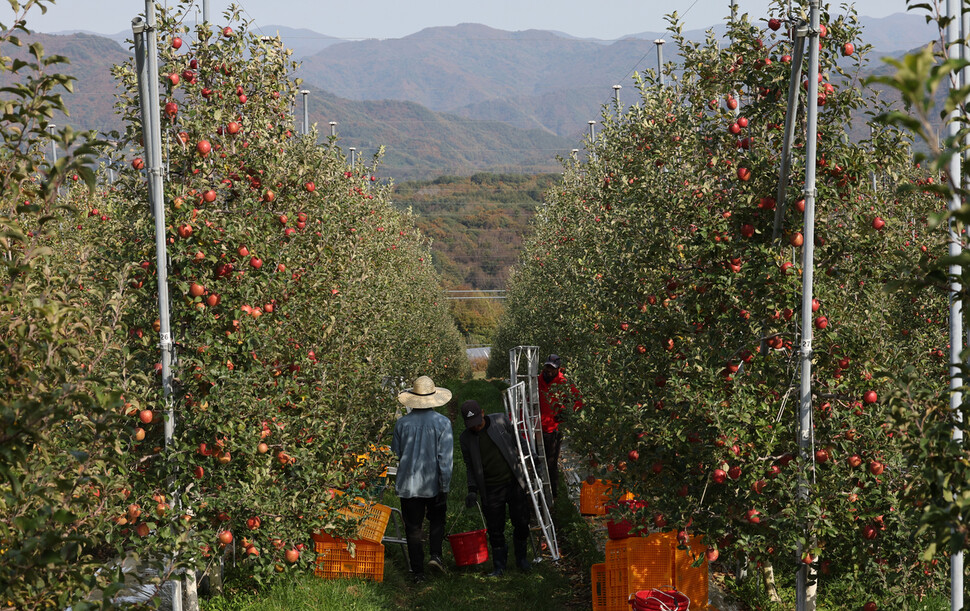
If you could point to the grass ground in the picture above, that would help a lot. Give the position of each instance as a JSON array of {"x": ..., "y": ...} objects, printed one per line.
[{"x": 548, "y": 586}]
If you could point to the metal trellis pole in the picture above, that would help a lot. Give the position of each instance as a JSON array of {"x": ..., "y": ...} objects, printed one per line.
[
  {"x": 660, "y": 59},
  {"x": 205, "y": 11},
  {"x": 353, "y": 158},
  {"x": 333, "y": 128},
  {"x": 616, "y": 96},
  {"x": 306, "y": 112},
  {"x": 805, "y": 599},
  {"x": 51, "y": 129},
  {"x": 953, "y": 38},
  {"x": 790, "y": 121}
]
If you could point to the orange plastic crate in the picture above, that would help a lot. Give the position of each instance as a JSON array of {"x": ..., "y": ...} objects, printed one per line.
[
  {"x": 637, "y": 563},
  {"x": 594, "y": 497},
  {"x": 335, "y": 562},
  {"x": 597, "y": 575},
  {"x": 692, "y": 580},
  {"x": 375, "y": 518}
]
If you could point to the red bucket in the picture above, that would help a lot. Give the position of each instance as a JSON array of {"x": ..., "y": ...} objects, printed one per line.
[
  {"x": 660, "y": 600},
  {"x": 469, "y": 548}
]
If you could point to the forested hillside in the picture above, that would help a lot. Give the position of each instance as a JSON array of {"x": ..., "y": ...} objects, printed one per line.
[
  {"x": 477, "y": 225},
  {"x": 477, "y": 222}
]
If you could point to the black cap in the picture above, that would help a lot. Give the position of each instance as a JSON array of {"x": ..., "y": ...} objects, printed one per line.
[
  {"x": 472, "y": 413},
  {"x": 553, "y": 360}
]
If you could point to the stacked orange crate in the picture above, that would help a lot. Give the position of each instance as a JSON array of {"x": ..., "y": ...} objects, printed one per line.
[
  {"x": 334, "y": 561},
  {"x": 598, "y": 579},
  {"x": 689, "y": 579},
  {"x": 637, "y": 563}
]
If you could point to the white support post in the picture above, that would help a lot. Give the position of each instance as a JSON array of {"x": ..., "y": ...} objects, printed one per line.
[
  {"x": 955, "y": 50},
  {"x": 805, "y": 581}
]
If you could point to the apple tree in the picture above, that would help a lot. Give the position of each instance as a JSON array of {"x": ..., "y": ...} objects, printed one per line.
[
  {"x": 656, "y": 272},
  {"x": 296, "y": 288},
  {"x": 60, "y": 460}
]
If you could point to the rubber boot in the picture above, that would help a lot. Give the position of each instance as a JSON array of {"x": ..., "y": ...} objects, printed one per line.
[
  {"x": 500, "y": 557},
  {"x": 521, "y": 555}
]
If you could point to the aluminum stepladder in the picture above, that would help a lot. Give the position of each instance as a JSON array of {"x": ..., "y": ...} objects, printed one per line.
[
  {"x": 515, "y": 400},
  {"x": 532, "y": 425}
]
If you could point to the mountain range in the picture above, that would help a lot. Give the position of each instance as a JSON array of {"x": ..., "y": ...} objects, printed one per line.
[{"x": 455, "y": 99}]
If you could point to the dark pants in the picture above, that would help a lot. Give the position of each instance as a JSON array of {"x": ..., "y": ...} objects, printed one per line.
[
  {"x": 552, "y": 443},
  {"x": 413, "y": 511},
  {"x": 495, "y": 500}
]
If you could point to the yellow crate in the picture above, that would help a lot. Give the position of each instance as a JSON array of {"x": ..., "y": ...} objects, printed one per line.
[
  {"x": 335, "y": 562},
  {"x": 597, "y": 575},
  {"x": 637, "y": 563},
  {"x": 375, "y": 518}
]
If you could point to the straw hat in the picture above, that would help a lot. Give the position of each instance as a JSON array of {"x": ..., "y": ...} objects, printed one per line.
[{"x": 424, "y": 395}]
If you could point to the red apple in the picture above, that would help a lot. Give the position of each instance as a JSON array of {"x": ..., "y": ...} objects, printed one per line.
[
  {"x": 774, "y": 24},
  {"x": 292, "y": 556},
  {"x": 821, "y": 322},
  {"x": 633, "y": 455},
  {"x": 171, "y": 109},
  {"x": 233, "y": 128},
  {"x": 744, "y": 174},
  {"x": 203, "y": 148},
  {"x": 243, "y": 251},
  {"x": 146, "y": 416},
  {"x": 848, "y": 49},
  {"x": 855, "y": 460},
  {"x": 878, "y": 223},
  {"x": 176, "y": 43},
  {"x": 876, "y": 467},
  {"x": 870, "y": 606},
  {"x": 227, "y": 31},
  {"x": 138, "y": 163},
  {"x": 719, "y": 476},
  {"x": 309, "y": 186},
  {"x": 196, "y": 289},
  {"x": 753, "y": 516},
  {"x": 256, "y": 263},
  {"x": 225, "y": 537},
  {"x": 734, "y": 472},
  {"x": 870, "y": 396},
  {"x": 209, "y": 196},
  {"x": 797, "y": 239},
  {"x": 821, "y": 456}
]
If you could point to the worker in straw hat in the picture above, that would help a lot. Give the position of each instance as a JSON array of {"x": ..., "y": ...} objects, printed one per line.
[{"x": 424, "y": 445}]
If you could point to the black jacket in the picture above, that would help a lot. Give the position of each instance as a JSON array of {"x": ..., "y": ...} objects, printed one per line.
[{"x": 500, "y": 430}]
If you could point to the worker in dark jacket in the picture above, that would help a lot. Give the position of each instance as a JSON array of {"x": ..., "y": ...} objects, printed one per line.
[{"x": 496, "y": 474}]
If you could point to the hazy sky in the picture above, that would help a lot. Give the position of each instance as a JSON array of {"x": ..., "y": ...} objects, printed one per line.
[{"x": 354, "y": 19}]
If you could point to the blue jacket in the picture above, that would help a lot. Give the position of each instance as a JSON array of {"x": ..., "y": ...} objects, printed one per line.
[{"x": 424, "y": 446}]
